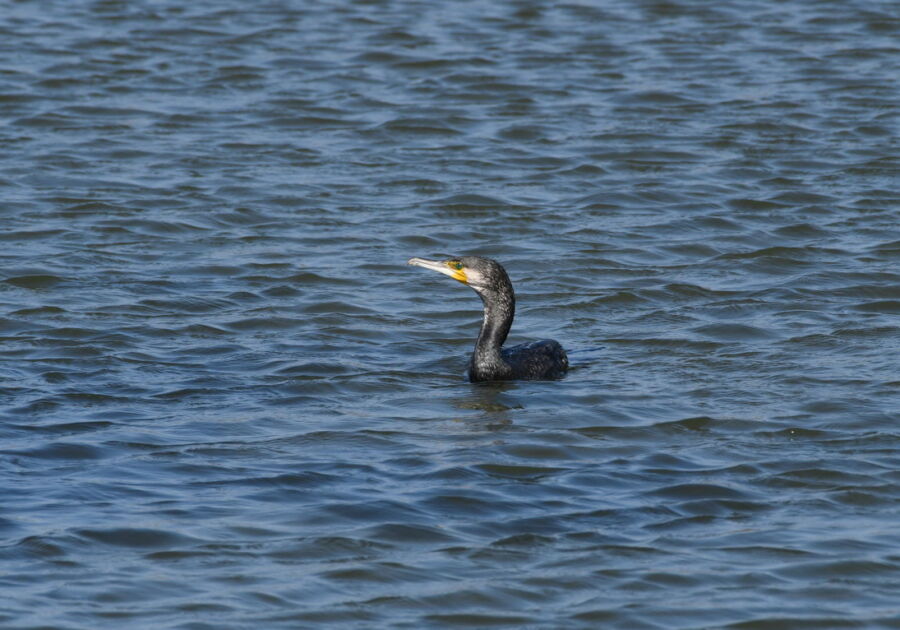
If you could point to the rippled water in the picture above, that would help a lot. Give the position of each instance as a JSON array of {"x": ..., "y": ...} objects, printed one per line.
[{"x": 227, "y": 402}]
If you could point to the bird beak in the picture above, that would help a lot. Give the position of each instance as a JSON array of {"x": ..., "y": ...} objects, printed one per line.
[{"x": 441, "y": 266}]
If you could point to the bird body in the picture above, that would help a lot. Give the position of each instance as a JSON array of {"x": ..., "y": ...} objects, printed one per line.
[{"x": 490, "y": 360}]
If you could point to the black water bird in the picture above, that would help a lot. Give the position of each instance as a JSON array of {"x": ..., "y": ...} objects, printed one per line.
[{"x": 491, "y": 361}]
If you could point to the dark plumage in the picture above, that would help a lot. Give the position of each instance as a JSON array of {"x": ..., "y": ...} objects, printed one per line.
[{"x": 490, "y": 361}]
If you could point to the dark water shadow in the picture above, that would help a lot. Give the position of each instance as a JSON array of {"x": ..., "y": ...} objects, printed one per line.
[{"x": 494, "y": 406}]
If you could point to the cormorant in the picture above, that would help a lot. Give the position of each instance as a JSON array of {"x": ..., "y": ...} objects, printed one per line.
[{"x": 490, "y": 361}]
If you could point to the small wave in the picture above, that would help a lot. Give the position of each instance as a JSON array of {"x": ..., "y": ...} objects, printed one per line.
[
  {"x": 34, "y": 281},
  {"x": 137, "y": 538}
]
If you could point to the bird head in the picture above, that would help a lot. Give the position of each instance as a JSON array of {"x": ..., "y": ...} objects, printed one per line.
[{"x": 482, "y": 274}]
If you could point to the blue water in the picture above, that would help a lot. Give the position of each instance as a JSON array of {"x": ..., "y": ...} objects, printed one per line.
[{"x": 228, "y": 403}]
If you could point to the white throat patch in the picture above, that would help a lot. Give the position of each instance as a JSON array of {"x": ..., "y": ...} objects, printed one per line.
[{"x": 474, "y": 278}]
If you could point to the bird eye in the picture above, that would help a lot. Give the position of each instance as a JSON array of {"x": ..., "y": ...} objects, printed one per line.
[{"x": 456, "y": 265}]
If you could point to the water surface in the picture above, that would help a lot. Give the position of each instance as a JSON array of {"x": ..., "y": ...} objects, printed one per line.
[{"x": 227, "y": 402}]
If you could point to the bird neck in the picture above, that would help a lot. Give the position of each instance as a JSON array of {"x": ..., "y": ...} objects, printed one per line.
[{"x": 499, "y": 310}]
